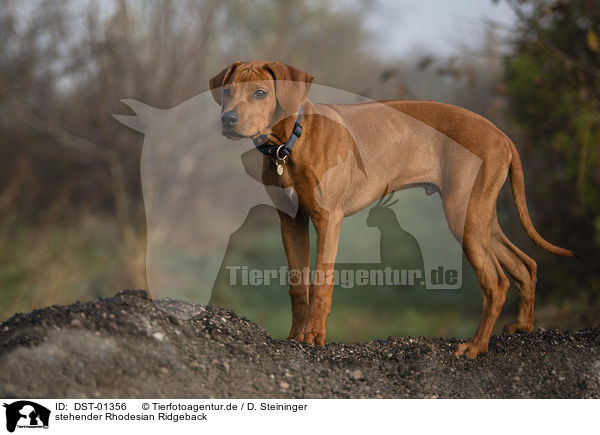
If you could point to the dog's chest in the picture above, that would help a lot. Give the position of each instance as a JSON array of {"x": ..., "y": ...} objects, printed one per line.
[{"x": 277, "y": 174}]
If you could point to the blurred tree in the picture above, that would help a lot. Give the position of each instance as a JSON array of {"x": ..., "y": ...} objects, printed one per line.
[
  {"x": 64, "y": 66},
  {"x": 553, "y": 84}
]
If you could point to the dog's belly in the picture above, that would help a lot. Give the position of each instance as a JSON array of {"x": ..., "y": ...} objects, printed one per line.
[
  {"x": 390, "y": 162},
  {"x": 393, "y": 151}
]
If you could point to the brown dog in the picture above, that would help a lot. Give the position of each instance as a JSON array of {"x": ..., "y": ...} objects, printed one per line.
[{"x": 440, "y": 147}]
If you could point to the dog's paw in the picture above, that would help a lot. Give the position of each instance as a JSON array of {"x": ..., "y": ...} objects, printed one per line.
[
  {"x": 295, "y": 333},
  {"x": 511, "y": 328},
  {"x": 470, "y": 349},
  {"x": 311, "y": 337}
]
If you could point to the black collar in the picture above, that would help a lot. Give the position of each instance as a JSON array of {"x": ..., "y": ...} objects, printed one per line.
[{"x": 280, "y": 152}]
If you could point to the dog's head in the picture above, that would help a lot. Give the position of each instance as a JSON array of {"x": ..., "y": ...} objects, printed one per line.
[{"x": 256, "y": 95}]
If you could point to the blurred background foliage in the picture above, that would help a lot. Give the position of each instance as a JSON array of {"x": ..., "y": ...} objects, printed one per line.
[
  {"x": 72, "y": 224},
  {"x": 552, "y": 80}
]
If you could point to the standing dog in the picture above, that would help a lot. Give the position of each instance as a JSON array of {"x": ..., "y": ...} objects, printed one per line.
[{"x": 407, "y": 143}]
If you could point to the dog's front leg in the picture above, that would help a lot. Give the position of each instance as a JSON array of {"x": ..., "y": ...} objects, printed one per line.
[
  {"x": 327, "y": 225},
  {"x": 294, "y": 233}
]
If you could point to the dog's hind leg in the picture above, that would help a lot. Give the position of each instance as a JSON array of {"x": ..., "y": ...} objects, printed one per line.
[
  {"x": 478, "y": 247},
  {"x": 494, "y": 286},
  {"x": 523, "y": 271}
]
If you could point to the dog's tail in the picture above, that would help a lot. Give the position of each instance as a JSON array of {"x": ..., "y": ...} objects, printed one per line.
[{"x": 518, "y": 188}]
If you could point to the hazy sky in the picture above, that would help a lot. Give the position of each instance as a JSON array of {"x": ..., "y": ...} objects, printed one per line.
[{"x": 437, "y": 26}]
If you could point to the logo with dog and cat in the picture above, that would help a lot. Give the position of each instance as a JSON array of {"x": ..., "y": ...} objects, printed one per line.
[{"x": 25, "y": 414}]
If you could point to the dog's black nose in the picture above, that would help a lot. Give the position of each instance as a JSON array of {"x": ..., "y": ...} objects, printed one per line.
[{"x": 229, "y": 118}]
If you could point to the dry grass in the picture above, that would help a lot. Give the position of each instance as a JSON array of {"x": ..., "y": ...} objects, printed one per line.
[{"x": 60, "y": 263}]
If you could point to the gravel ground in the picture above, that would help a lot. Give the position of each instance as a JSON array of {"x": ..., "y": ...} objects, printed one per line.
[{"x": 131, "y": 346}]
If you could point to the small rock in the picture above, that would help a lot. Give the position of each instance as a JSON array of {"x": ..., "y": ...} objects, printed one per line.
[
  {"x": 356, "y": 375},
  {"x": 158, "y": 336},
  {"x": 284, "y": 385},
  {"x": 76, "y": 323}
]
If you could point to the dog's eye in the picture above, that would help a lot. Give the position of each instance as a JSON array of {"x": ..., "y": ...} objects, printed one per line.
[
  {"x": 227, "y": 92},
  {"x": 260, "y": 94}
]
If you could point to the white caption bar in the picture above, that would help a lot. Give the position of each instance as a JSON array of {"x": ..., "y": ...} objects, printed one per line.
[{"x": 269, "y": 416}]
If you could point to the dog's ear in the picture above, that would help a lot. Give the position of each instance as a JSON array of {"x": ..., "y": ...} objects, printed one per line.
[
  {"x": 217, "y": 82},
  {"x": 291, "y": 85}
]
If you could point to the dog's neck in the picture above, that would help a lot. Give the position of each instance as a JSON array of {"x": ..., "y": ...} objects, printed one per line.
[
  {"x": 282, "y": 130},
  {"x": 284, "y": 133}
]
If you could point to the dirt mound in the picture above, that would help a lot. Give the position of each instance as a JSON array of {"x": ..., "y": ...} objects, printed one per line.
[{"x": 131, "y": 346}]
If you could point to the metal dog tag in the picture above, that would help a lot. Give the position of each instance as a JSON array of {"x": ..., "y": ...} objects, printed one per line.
[{"x": 279, "y": 169}]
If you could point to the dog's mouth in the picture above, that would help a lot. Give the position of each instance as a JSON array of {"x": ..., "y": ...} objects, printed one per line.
[
  {"x": 234, "y": 135},
  {"x": 229, "y": 134}
]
